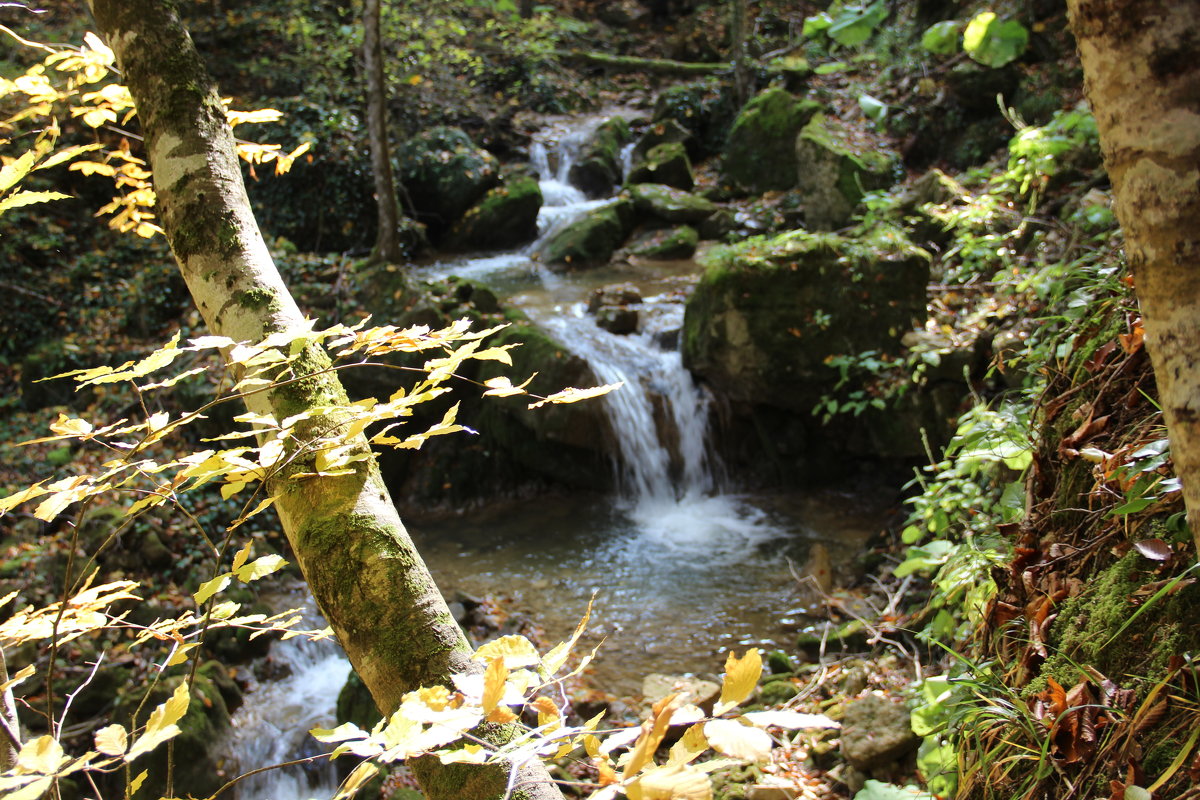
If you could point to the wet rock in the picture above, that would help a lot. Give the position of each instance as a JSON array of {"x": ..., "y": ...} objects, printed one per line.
[
  {"x": 690, "y": 689},
  {"x": 767, "y": 315},
  {"x": 666, "y": 131},
  {"x": 834, "y": 172},
  {"x": 504, "y": 218},
  {"x": 718, "y": 224},
  {"x": 704, "y": 108},
  {"x": 598, "y": 168},
  {"x": 876, "y": 731},
  {"x": 667, "y": 244},
  {"x": 668, "y": 164},
  {"x": 669, "y": 204},
  {"x": 774, "y": 693},
  {"x": 589, "y": 241},
  {"x": 619, "y": 321},
  {"x": 445, "y": 173},
  {"x": 761, "y": 152},
  {"x": 621, "y": 294}
]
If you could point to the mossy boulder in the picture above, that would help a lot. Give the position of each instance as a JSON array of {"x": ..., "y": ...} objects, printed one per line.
[
  {"x": 760, "y": 155},
  {"x": 666, "y": 131},
  {"x": 667, "y": 244},
  {"x": 355, "y": 704},
  {"x": 445, "y": 173},
  {"x": 704, "y": 108},
  {"x": 769, "y": 312},
  {"x": 197, "y": 767},
  {"x": 833, "y": 172},
  {"x": 504, "y": 218},
  {"x": 666, "y": 203},
  {"x": 666, "y": 163},
  {"x": 598, "y": 168},
  {"x": 591, "y": 240}
]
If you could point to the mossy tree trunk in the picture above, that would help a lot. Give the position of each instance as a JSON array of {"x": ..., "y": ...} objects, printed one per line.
[
  {"x": 387, "y": 239},
  {"x": 1143, "y": 80},
  {"x": 354, "y": 552}
]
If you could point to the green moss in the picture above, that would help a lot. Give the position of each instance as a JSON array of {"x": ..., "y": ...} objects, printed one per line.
[
  {"x": 256, "y": 299},
  {"x": 1091, "y": 628}
]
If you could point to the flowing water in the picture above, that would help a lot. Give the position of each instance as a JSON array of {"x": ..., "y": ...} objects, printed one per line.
[{"x": 681, "y": 567}]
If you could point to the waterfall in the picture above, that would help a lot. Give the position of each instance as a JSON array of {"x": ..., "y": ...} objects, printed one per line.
[{"x": 272, "y": 725}]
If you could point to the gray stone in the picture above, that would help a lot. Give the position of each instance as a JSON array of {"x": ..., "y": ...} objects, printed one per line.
[
  {"x": 876, "y": 732},
  {"x": 833, "y": 172},
  {"x": 669, "y": 204},
  {"x": 696, "y": 691}
]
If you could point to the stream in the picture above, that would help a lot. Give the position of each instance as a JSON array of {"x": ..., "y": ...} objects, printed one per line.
[{"x": 682, "y": 567}]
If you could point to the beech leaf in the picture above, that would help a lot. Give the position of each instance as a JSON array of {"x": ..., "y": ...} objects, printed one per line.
[
  {"x": 741, "y": 676},
  {"x": 517, "y": 651},
  {"x": 111, "y": 740},
  {"x": 731, "y": 738},
  {"x": 1154, "y": 549}
]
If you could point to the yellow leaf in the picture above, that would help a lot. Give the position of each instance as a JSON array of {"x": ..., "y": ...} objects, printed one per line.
[
  {"x": 651, "y": 736},
  {"x": 493, "y": 683},
  {"x": 111, "y": 740},
  {"x": 14, "y": 500},
  {"x": 209, "y": 588},
  {"x": 260, "y": 567},
  {"x": 43, "y": 755},
  {"x": 357, "y": 779},
  {"x": 517, "y": 651},
  {"x": 467, "y": 754},
  {"x": 731, "y": 738},
  {"x": 180, "y": 655},
  {"x": 242, "y": 555},
  {"x": 161, "y": 725},
  {"x": 436, "y": 697},
  {"x": 690, "y": 745},
  {"x": 741, "y": 676},
  {"x": 503, "y": 387},
  {"x": 671, "y": 782},
  {"x": 575, "y": 395},
  {"x": 557, "y": 656},
  {"x": 138, "y": 781}
]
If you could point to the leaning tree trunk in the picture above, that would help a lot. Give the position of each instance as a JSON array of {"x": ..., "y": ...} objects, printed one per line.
[
  {"x": 387, "y": 241},
  {"x": 359, "y": 562},
  {"x": 1143, "y": 80},
  {"x": 741, "y": 69}
]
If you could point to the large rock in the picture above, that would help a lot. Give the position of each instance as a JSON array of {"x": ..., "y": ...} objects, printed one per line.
[
  {"x": 768, "y": 313},
  {"x": 598, "y": 169},
  {"x": 669, "y": 204},
  {"x": 445, "y": 173},
  {"x": 666, "y": 131},
  {"x": 666, "y": 163},
  {"x": 505, "y": 217},
  {"x": 833, "y": 172},
  {"x": 761, "y": 152},
  {"x": 667, "y": 244},
  {"x": 876, "y": 731},
  {"x": 705, "y": 108},
  {"x": 589, "y": 241}
]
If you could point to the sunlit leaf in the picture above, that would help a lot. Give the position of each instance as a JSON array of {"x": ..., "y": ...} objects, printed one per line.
[
  {"x": 162, "y": 723},
  {"x": 211, "y": 587},
  {"x": 260, "y": 567},
  {"x": 517, "y": 651},
  {"x": 43, "y": 755},
  {"x": 575, "y": 395},
  {"x": 741, "y": 676},
  {"x": 112, "y": 740},
  {"x": 732, "y": 738},
  {"x": 791, "y": 720},
  {"x": 671, "y": 782},
  {"x": 558, "y": 655},
  {"x": 359, "y": 777}
]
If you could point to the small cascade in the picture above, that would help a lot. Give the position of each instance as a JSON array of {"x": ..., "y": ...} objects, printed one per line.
[
  {"x": 272, "y": 726},
  {"x": 668, "y": 480}
]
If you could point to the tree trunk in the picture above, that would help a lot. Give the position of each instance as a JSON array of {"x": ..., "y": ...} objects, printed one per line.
[
  {"x": 525, "y": 8},
  {"x": 359, "y": 562},
  {"x": 1143, "y": 80},
  {"x": 387, "y": 240},
  {"x": 741, "y": 69}
]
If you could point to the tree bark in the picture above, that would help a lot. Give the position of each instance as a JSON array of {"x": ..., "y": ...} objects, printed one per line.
[
  {"x": 387, "y": 239},
  {"x": 359, "y": 561},
  {"x": 741, "y": 69},
  {"x": 1143, "y": 81}
]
